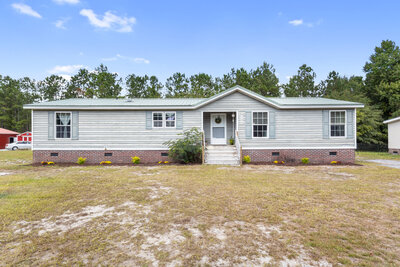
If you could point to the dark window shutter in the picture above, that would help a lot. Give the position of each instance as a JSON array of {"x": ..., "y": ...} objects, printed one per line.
[
  {"x": 50, "y": 126},
  {"x": 248, "y": 125},
  {"x": 149, "y": 120},
  {"x": 179, "y": 120},
  {"x": 350, "y": 123},
  {"x": 75, "y": 125},
  {"x": 271, "y": 124},
  {"x": 325, "y": 124}
]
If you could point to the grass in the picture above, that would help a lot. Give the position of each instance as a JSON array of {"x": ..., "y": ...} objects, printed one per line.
[
  {"x": 198, "y": 215},
  {"x": 376, "y": 155}
]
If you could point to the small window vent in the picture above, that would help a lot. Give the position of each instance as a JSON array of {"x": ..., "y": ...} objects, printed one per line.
[
  {"x": 395, "y": 152},
  {"x": 164, "y": 154},
  {"x": 53, "y": 154},
  {"x": 108, "y": 154},
  {"x": 275, "y": 154},
  {"x": 332, "y": 153}
]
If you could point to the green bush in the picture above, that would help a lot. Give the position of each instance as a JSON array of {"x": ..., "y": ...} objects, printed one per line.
[
  {"x": 81, "y": 160},
  {"x": 305, "y": 160},
  {"x": 231, "y": 141},
  {"x": 246, "y": 159},
  {"x": 135, "y": 160},
  {"x": 186, "y": 149}
]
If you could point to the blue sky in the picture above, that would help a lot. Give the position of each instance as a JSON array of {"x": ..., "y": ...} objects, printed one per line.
[{"x": 42, "y": 37}]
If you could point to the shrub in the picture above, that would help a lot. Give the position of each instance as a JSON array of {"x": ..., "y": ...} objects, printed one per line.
[
  {"x": 246, "y": 159},
  {"x": 231, "y": 141},
  {"x": 81, "y": 160},
  {"x": 135, "y": 160},
  {"x": 305, "y": 160},
  {"x": 186, "y": 149},
  {"x": 276, "y": 162},
  {"x": 50, "y": 163},
  {"x": 105, "y": 162},
  {"x": 166, "y": 162},
  {"x": 334, "y": 162},
  {"x": 43, "y": 162}
]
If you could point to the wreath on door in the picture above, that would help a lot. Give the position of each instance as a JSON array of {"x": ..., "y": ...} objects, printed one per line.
[{"x": 218, "y": 120}]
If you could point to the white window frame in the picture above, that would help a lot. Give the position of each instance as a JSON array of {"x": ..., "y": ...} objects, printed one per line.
[
  {"x": 345, "y": 124},
  {"x": 164, "y": 120},
  {"x": 252, "y": 124},
  {"x": 55, "y": 125}
]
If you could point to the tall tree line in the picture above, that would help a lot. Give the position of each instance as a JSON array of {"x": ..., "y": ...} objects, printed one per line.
[{"x": 379, "y": 90}]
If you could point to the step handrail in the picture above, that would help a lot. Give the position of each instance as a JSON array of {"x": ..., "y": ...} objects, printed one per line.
[{"x": 238, "y": 147}]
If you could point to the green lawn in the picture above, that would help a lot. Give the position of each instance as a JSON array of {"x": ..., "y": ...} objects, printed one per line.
[
  {"x": 198, "y": 215},
  {"x": 376, "y": 155}
]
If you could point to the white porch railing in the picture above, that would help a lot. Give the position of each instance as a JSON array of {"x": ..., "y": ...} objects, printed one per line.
[
  {"x": 238, "y": 147},
  {"x": 203, "y": 147}
]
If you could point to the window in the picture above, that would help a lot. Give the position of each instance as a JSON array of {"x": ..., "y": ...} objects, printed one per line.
[
  {"x": 170, "y": 118},
  {"x": 260, "y": 124},
  {"x": 160, "y": 117},
  {"x": 157, "y": 119},
  {"x": 338, "y": 123},
  {"x": 108, "y": 154},
  {"x": 164, "y": 154},
  {"x": 275, "y": 154},
  {"x": 63, "y": 125},
  {"x": 53, "y": 154},
  {"x": 332, "y": 153}
]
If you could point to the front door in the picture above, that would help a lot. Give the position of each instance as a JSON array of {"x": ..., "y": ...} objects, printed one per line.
[{"x": 218, "y": 129}]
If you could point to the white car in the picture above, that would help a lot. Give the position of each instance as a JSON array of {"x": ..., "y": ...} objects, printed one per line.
[{"x": 19, "y": 145}]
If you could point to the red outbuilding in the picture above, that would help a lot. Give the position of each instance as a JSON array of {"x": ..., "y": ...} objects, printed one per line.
[
  {"x": 26, "y": 137},
  {"x": 6, "y": 137}
]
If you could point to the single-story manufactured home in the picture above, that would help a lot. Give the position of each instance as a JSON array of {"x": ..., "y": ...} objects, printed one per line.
[
  {"x": 393, "y": 135},
  {"x": 265, "y": 128}
]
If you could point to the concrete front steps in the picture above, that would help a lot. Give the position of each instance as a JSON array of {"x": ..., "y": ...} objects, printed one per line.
[{"x": 221, "y": 155}]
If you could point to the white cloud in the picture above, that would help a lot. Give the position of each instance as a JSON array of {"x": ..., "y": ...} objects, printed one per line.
[
  {"x": 61, "y": 2},
  {"x": 141, "y": 60},
  {"x": 296, "y": 22},
  {"x": 66, "y": 77},
  {"x": 133, "y": 59},
  {"x": 25, "y": 9},
  {"x": 65, "y": 69},
  {"x": 288, "y": 77},
  {"x": 109, "y": 21},
  {"x": 60, "y": 23}
]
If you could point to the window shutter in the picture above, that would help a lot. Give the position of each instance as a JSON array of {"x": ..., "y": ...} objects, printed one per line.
[
  {"x": 149, "y": 120},
  {"x": 179, "y": 120},
  {"x": 325, "y": 124},
  {"x": 350, "y": 123},
  {"x": 75, "y": 125},
  {"x": 271, "y": 124},
  {"x": 50, "y": 125},
  {"x": 248, "y": 125}
]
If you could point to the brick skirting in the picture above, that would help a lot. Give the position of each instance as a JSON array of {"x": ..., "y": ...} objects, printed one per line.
[
  {"x": 317, "y": 156},
  {"x": 395, "y": 151},
  {"x": 96, "y": 156}
]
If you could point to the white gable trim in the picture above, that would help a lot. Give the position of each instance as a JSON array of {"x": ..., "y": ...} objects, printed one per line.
[
  {"x": 392, "y": 120},
  {"x": 234, "y": 90}
]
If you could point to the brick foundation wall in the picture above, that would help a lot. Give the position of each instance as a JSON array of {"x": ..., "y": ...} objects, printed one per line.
[
  {"x": 96, "y": 156},
  {"x": 317, "y": 156},
  {"x": 395, "y": 151}
]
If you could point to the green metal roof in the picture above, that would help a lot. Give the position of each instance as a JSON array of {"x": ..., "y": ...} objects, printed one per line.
[
  {"x": 191, "y": 103},
  {"x": 120, "y": 102},
  {"x": 308, "y": 101}
]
